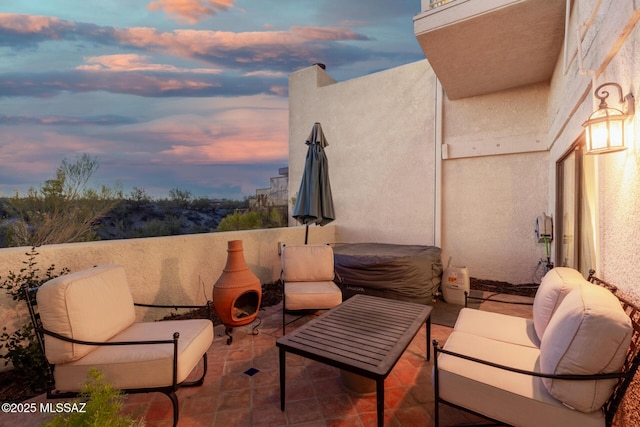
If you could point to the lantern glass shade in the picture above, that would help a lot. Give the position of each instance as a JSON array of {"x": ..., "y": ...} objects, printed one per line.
[{"x": 605, "y": 131}]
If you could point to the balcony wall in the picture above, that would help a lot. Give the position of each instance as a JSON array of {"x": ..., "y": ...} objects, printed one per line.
[
  {"x": 609, "y": 52},
  {"x": 176, "y": 269}
]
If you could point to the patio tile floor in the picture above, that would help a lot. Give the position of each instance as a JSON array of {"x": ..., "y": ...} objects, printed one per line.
[{"x": 315, "y": 394}]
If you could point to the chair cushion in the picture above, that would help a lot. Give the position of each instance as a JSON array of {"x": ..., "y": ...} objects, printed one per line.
[
  {"x": 555, "y": 285},
  {"x": 141, "y": 366},
  {"x": 311, "y": 295},
  {"x": 497, "y": 326},
  {"x": 589, "y": 334},
  {"x": 515, "y": 399},
  {"x": 307, "y": 263},
  {"x": 90, "y": 305}
]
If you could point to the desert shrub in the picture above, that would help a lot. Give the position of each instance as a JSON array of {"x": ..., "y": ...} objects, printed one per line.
[
  {"x": 265, "y": 218},
  {"x": 180, "y": 198},
  {"x": 169, "y": 226},
  {"x": 99, "y": 404},
  {"x": 21, "y": 347}
]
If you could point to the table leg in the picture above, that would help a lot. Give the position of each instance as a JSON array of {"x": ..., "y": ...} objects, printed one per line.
[
  {"x": 428, "y": 326},
  {"x": 380, "y": 401},
  {"x": 282, "y": 378}
]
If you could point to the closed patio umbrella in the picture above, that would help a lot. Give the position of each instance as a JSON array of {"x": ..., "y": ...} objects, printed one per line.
[{"x": 315, "y": 202}]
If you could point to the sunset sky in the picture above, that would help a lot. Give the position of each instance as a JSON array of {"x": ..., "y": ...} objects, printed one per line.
[{"x": 188, "y": 94}]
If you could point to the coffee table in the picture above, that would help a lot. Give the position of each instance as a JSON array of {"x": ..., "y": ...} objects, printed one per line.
[{"x": 365, "y": 335}]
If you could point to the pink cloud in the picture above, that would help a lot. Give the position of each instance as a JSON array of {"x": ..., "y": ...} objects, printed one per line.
[
  {"x": 25, "y": 24},
  {"x": 39, "y": 153},
  {"x": 326, "y": 33},
  {"x": 190, "y": 11},
  {"x": 257, "y": 45},
  {"x": 284, "y": 49},
  {"x": 134, "y": 62},
  {"x": 229, "y": 152},
  {"x": 241, "y": 135}
]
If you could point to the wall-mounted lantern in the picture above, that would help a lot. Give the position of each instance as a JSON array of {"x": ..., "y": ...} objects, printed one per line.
[{"x": 605, "y": 128}]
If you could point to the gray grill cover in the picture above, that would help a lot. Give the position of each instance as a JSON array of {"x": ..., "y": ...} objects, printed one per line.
[{"x": 403, "y": 272}]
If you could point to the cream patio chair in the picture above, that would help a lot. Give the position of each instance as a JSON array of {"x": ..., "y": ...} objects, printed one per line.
[
  {"x": 308, "y": 279},
  {"x": 86, "y": 320}
]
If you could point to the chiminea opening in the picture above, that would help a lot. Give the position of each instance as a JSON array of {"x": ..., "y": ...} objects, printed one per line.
[{"x": 246, "y": 305}]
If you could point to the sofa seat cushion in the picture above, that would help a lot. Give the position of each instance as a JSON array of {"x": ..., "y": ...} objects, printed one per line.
[
  {"x": 319, "y": 295},
  {"x": 500, "y": 327},
  {"x": 90, "y": 305},
  {"x": 555, "y": 285},
  {"x": 140, "y": 366},
  {"x": 500, "y": 394},
  {"x": 589, "y": 334}
]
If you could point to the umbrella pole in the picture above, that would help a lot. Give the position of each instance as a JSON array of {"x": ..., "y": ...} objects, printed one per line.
[{"x": 306, "y": 233}]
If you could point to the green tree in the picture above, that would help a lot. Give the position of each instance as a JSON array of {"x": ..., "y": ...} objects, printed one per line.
[{"x": 65, "y": 209}]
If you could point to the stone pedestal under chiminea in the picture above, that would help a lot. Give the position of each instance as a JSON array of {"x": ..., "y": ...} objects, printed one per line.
[{"x": 237, "y": 292}]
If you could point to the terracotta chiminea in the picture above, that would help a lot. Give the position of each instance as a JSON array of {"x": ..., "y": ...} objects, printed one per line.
[{"x": 238, "y": 292}]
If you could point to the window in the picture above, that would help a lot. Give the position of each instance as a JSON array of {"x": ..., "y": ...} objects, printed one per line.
[{"x": 576, "y": 210}]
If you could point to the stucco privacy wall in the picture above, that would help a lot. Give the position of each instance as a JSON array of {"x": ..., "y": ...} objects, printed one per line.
[
  {"x": 610, "y": 54},
  {"x": 620, "y": 182},
  {"x": 490, "y": 202},
  {"x": 490, "y": 206},
  {"x": 380, "y": 130},
  {"x": 382, "y": 156},
  {"x": 174, "y": 270}
]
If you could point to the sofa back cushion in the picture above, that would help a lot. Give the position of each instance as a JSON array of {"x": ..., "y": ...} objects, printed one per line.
[
  {"x": 307, "y": 263},
  {"x": 589, "y": 334},
  {"x": 555, "y": 285},
  {"x": 89, "y": 305}
]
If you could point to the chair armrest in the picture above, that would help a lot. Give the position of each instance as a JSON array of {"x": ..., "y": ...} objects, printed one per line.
[
  {"x": 208, "y": 306},
  {"x": 468, "y": 297},
  {"x": 175, "y": 307},
  {"x": 337, "y": 279},
  {"x": 174, "y": 340},
  {"x": 571, "y": 377}
]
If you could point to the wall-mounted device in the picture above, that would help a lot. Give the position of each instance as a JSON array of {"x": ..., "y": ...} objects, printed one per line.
[
  {"x": 544, "y": 228},
  {"x": 544, "y": 234}
]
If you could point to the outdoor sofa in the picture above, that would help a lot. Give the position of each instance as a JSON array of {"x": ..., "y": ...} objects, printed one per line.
[{"x": 568, "y": 366}]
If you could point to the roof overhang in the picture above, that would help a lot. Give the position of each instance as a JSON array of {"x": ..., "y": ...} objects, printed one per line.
[{"x": 482, "y": 46}]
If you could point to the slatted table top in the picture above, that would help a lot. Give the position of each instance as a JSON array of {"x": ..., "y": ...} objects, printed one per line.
[{"x": 365, "y": 334}]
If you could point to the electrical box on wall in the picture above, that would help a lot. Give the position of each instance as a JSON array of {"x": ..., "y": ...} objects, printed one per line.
[{"x": 544, "y": 228}]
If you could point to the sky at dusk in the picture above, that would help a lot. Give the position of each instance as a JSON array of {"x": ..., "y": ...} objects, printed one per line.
[{"x": 187, "y": 94}]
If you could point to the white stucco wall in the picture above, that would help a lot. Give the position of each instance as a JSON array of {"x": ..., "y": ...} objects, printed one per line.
[
  {"x": 380, "y": 130},
  {"x": 490, "y": 202},
  {"x": 610, "y": 54},
  {"x": 620, "y": 183},
  {"x": 490, "y": 206},
  {"x": 382, "y": 153}
]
